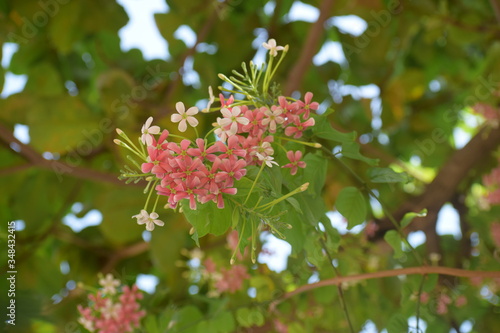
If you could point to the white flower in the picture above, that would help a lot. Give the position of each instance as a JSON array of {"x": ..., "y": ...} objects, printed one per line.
[
  {"x": 266, "y": 159},
  {"x": 87, "y": 323},
  {"x": 271, "y": 46},
  {"x": 265, "y": 149},
  {"x": 147, "y": 130},
  {"x": 148, "y": 219},
  {"x": 110, "y": 309},
  {"x": 232, "y": 118},
  {"x": 211, "y": 99},
  {"x": 182, "y": 116},
  {"x": 219, "y": 131},
  {"x": 109, "y": 284}
]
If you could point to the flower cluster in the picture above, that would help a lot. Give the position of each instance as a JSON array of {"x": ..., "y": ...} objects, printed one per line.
[
  {"x": 201, "y": 171},
  {"x": 111, "y": 310},
  {"x": 225, "y": 280},
  {"x": 246, "y": 133},
  {"x": 492, "y": 183}
]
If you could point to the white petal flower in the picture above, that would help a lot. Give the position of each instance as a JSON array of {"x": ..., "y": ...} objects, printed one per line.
[
  {"x": 147, "y": 130},
  {"x": 109, "y": 284},
  {"x": 267, "y": 159},
  {"x": 211, "y": 99},
  {"x": 184, "y": 116},
  {"x": 87, "y": 323},
  {"x": 272, "y": 47},
  {"x": 148, "y": 219}
]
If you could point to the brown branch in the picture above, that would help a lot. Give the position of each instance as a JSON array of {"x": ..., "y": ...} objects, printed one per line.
[
  {"x": 309, "y": 49},
  {"x": 14, "y": 169},
  {"x": 126, "y": 252},
  {"x": 444, "y": 185},
  {"x": 423, "y": 270},
  {"x": 60, "y": 168},
  {"x": 496, "y": 9}
]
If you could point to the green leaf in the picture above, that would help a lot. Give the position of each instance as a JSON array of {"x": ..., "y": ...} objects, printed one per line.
[
  {"x": 352, "y": 205},
  {"x": 61, "y": 27},
  {"x": 64, "y": 124},
  {"x": 207, "y": 218},
  {"x": 351, "y": 150},
  {"x": 324, "y": 130},
  {"x": 397, "y": 324},
  {"x": 45, "y": 80},
  {"x": 393, "y": 238},
  {"x": 408, "y": 218},
  {"x": 387, "y": 175}
]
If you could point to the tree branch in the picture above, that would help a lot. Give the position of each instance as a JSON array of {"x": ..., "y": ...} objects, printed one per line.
[
  {"x": 423, "y": 270},
  {"x": 496, "y": 9},
  {"x": 444, "y": 185},
  {"x": 309, "y": 48},
  {"x": 60, "y": 168}
]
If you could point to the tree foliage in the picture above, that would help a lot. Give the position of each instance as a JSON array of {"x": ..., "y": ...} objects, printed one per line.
[{"x": 412, "y": 85}]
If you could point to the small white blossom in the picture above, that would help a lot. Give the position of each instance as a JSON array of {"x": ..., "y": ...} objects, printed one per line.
[
  {"x": 147, "y": 130},
  {"x": 109, "y": 284},
  {"x": 148, "y": 219},
  {"x": 211, "y": 99},
  {"x": 272, "y": 47},
  {"x": 267, "y": 159},
  {"x": 184, "y": 116},
  {"x": 87, "y": 323}
]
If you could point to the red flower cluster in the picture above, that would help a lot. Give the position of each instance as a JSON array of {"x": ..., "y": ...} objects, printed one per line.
[
  {"x": 202, "y": 172},
  {"x": 112, "y": 314}
]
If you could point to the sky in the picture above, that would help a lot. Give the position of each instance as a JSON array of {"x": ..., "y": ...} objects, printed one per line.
[{"x": 141, "y": 33}]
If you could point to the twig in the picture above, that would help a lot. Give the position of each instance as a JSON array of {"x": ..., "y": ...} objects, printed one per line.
[
  {"x": 339, "y": 287},
  {"x": 421, "y": 270},
  {"x": 59, "y": 167},
  {"x": 496, "y": 8}
]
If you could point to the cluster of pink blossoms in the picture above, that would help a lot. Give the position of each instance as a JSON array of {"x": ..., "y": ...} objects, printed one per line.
[
  {"x": 111, "y": 311},
  {"x": 202, "y": 172},
  {"x": 230, "y": 280},
  {"x": 492, "y": 182}
]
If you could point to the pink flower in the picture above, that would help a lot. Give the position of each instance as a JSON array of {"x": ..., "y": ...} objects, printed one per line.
[
  {"x": 255, "y": 118},
  {"x": 187, "y": 190},
  {"x": 495, "y": 233},
  {"x": 202, "y": 151},
  {"x": 184, "y": 116},
  {"x": 295, "y": 161},
  {"x": 460, "y": 301},
  {"x": 273, "y": 117},
  {"x": 147, "y": 130},
  {"x": 232, "y": 150},
  {"x": 232, "y": 279},
  {"x": 232, "y": 169},
  {"x": 442, "y": 304},
  {"x": 225, "y": 103},
  {"x": 232, "y": 119},
  {"x": 299, "y": 127},
  {"x": 306, "y": 106}
]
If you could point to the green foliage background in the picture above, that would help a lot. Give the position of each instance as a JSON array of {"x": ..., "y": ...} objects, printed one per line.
[{"x": 408, "y": 48}]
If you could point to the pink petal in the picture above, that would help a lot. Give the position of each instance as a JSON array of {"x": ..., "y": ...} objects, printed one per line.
[
  {"x": 179, "y": 106},
  {"x": 192, "y": 121}
]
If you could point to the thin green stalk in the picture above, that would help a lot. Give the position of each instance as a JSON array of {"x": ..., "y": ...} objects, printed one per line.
[
  {"x": 149, "y": 195},
  {"x": 339, "y": 287},
  {"x": 254, "y": 182},
  {"x": 420, "y": 288}
]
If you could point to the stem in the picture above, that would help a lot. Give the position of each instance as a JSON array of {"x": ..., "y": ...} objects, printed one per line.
[
  {"x": 421, "y": 286},
  {"x": 149, "y": 195},
  {"x": 239, "y": 241},
  {"x": 254, "y": 182},
  {"x": 310, "y": 144},
  {"x": 299, "y": 189},
  {"x": 339, "y": 286}
]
